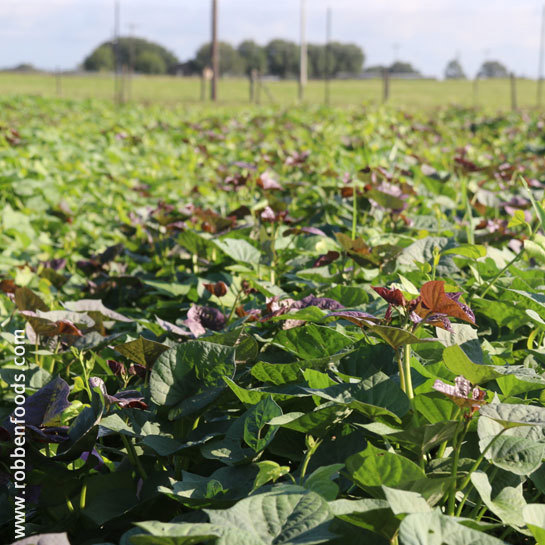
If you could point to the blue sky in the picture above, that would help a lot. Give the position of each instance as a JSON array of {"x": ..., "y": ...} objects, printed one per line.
[{"x": 59, "y": 33}]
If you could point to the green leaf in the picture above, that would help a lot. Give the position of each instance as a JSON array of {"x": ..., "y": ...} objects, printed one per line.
[
  {"x": 277, "y": 373},
  {"x": 316, "y": 422},
  {"x": 169, "y": 288},
  {"x": 534, "y": 517},
  {"x": 188, "y": 369},
  {"x": 464, "y": 336},
  {"x": 239, "y": 250},
  {"x": 438, "y": 529},
  {"x": 322, "y": 482},
  {"x": 507, "y": 504},
  {"x": 256, "y": 419},
  {"x": 370, "y": 514},
  {"x": 514, "y": 415},
  {"x": 95, "y": 305},
  {"x": 473, "y": 251},
  {"x": 348, "y": 296},
  {"x": 269, "y": 471},
  {"x": 142, "y": 351},
  {"x": 397, "y": 337},
  {"x": 287, "y": 515},
  {"x": 517, "y": 450},
  {"x": 312, "y": 341},
  {"x": 405, "y": 501},
  {"x": 374, "y": 467},
  {"x": 459, "y": 363}
]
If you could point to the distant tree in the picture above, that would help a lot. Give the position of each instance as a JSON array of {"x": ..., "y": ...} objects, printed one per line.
[
  {"x": 399, "y": 67},
  {"x": 253, "y": 56},
  {"x": 150, "y": 62},
  {"x": 346, "y": 58},
  {"x": 102, "y": 58},
  {"x": 282, "y": 58},
  {"x": 376, "y": 68},
  {"x": 454, "y": 70},
  {"x": 230, "y": 61},
  {"x": 492, "y": 69}
]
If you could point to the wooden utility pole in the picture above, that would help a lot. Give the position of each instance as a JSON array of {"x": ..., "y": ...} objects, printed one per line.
[
  {"x": 215, "y": 51},
  {"x": 513, "y": 91},
  {"x": 541, "y": 58},
  {"x": 327, "y": 63},
  {"x": 117, "y": 71},
  {"x": 303, "y": 72},
  {"x": 58, "y": 83},
  {"x": 132, "y": 26},
  {"x": 385, "y": 85},
  {"x": 476, "y": 91}
]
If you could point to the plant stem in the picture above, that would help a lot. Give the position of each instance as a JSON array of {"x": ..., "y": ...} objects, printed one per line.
[
  {"x": 401, "y": 370},
  {"x": 500, "y": 273},
  {"x": 133, "y": 457},
  {"x": 468, "y": 215},
  {"x": 311, "y": 450},
  {"x": 354, "y": 210},
  {"x": 83, "y": 496},
  {"x": 476, "y": 465},
  {"x": 458, "y": 439},
  {"x": 407, "y": 371}
]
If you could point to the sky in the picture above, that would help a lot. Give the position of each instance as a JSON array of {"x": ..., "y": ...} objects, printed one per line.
[{"x": 54, "y": 34}]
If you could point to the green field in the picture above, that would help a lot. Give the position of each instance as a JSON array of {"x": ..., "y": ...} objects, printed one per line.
[
  {"x": 492, "y": 94},
  {"x": 270, "y": 325}
]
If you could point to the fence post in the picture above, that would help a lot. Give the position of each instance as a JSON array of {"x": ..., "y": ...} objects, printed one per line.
[
  {"x": 253, "y": 78},
  {"x": 385, "y": 85},
  {"x": 58, "y": 83},
  {"x": 513, "y": 91},
  {"x": 258, "y": 89},
  {"x": 206, "y": 75},
  {"x": 476, "y": 91}
]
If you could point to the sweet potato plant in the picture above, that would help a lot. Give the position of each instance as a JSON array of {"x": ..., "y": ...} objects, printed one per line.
[{"x": 262, "y": 327}]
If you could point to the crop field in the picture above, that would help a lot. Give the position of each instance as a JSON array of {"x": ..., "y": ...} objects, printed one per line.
[
  {"x": 491, "y": 95},
  {"x": 271, "y": 325}
]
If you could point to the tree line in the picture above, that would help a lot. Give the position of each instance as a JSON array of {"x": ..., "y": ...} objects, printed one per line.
[{"x": 278, "y": 58}]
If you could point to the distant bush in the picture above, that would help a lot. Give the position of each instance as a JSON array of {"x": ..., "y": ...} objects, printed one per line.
[{"x": 146, "y": 57}]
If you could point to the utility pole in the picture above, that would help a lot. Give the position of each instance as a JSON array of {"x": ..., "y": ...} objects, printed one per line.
[
  {"x": 303, "y": 72},
  {"x": 327, "y": 63},
  {"x": 215, "y": 51},
  {"x": 132, "y": 26},
  {"x": 541, "y": 58},
  {"x": 117, "y": 82}
]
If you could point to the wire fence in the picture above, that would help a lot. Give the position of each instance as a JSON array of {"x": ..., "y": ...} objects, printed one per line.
[{"x": 491, "y": 94}]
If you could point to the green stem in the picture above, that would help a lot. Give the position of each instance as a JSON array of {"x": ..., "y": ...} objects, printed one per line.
[
  {"x": 311, "y": 450},
  {"x": 458, "y": 439},
  {"x": 83, "y": 496},
  {"x": 468, "y": 216},
  {"x": 233, "y": 307},
  {"x": 500, "y": 273},
  {"x": 407, "y": 371},
  {"x": 401, "y": 370},
  {"x": 479, "y": 460},
  {"x": 354, "y": 210},
  {"x": 69, "y": 505},
  {"x": 133, "y": 457}
]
